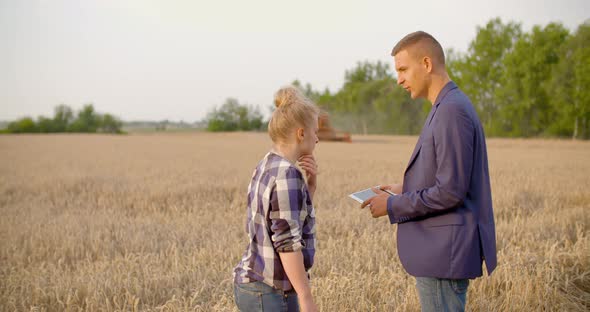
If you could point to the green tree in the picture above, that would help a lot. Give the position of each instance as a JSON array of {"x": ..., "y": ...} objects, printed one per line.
[
  {"x": 570, "y": 85},
  {"x": 526, "y": 109},
  {"x": 367, "y": 71},
  {"x": 110, "y": 124},
  {"x": 370, "y": 101},
  {"x": 86, "y": 121},
  {"x": 23, "y": 125},
  {"x": 46, "y": 125},
  {"x": 357, "y": 103},
  {"x": 307, "y": 90},
  {"x": 62, "y": 118},
  {"x": 479, "y": 72},
  {"x": 232, "y": 116}
]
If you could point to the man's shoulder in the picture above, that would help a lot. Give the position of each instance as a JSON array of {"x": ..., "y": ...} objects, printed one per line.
[
  {"x": 455, "y": 108},
  {"x": 456, "y": 97},
  {"x": 456, "y": 102},
  {"x": 454, "y": 105}
]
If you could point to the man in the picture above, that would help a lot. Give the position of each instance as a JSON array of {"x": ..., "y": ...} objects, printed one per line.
[{"x": 444, "y": 206}]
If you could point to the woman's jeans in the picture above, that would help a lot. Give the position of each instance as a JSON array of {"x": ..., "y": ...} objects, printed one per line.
[
  {"x": 257, "y": 296},
  {"x": 439, "y": 294}
]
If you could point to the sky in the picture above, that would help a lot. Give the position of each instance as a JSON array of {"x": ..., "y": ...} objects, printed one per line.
[{"x": 178, "y": 59}]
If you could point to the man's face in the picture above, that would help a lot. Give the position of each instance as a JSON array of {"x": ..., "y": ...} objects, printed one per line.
[{"x": 411, "y": 74}]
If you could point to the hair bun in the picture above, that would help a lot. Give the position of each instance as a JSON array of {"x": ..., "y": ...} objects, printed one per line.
[
  {"x": 285, "y": 95},
  {"x": 279, "y": 101}
]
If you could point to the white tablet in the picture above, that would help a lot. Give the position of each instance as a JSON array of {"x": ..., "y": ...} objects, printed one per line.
[{"x": 363, "y": 195}]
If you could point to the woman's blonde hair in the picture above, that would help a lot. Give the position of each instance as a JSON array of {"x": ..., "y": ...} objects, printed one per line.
[{"x": 293, "y": 109}]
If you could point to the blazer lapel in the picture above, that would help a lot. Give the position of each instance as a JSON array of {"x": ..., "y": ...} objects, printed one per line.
[
  {"x": 419, "y": 143},
  {"x": 448, "y": 87},
  {"x": 431, "y": 116},
  {"x": 414, "y": 154}
]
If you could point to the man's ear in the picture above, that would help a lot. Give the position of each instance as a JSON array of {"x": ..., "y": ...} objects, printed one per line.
[
  {"x": 427, "y": 62},
  {"x": 300, "y": 134}
]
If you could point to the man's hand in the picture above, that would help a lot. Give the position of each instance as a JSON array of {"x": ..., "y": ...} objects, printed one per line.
[
  {"x": 377, "y": 203},
  {"x": 394, "y": 188}
]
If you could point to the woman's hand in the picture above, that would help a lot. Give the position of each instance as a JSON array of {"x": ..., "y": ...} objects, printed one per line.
[
  {"x": 307, "y": 305},
  {"x": 308, "y": 164}
]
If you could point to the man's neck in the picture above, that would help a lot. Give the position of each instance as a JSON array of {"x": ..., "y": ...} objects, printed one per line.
[{"x": 438, "y": 83}]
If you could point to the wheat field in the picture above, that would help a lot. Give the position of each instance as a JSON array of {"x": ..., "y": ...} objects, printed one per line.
[{"x": 155, "y": 222}]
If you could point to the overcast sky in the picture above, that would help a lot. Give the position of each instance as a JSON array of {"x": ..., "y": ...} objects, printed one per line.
[{"x": 176, "y": 59}]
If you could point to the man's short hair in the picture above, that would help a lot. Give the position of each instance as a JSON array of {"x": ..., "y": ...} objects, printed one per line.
[{"x": 430, "y": 46}]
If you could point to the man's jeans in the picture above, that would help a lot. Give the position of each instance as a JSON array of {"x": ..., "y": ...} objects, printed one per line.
[
  {"x": 439, "y": 294},
  {"x": 258, "y": 296}
]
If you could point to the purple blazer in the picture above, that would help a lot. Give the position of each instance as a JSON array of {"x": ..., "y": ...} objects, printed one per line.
[{"x": 444, "y": 215}]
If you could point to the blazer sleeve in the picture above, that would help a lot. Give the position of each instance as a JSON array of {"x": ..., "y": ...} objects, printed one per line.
[{"x": 454, "y": 134}]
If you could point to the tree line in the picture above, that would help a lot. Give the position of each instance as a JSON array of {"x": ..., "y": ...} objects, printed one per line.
[
  {"x": 233, "y": 116},
  {"x": 527, "y": 84},
  {"x": 86, "y": 120},
  {"x": 522, "y": 84}
]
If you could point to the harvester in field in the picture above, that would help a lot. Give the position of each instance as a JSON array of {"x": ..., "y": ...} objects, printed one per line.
[{"x": 327, "y": 133}]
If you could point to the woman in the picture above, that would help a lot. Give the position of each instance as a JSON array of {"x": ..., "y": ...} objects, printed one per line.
[{"x": 272, "y": 275}]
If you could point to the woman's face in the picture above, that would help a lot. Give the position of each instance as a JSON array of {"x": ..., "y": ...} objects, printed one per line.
[{"x": 310, "y": 138}]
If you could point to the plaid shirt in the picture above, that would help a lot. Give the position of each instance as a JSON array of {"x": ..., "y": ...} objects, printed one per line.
[{"x": 280, "y": 218}]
